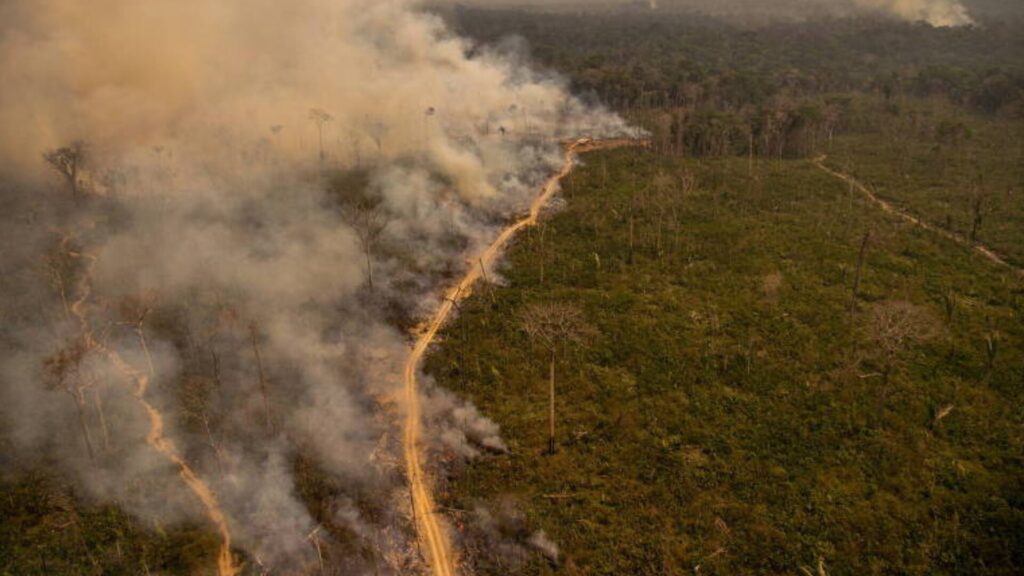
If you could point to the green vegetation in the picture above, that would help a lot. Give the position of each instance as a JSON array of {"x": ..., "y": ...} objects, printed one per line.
[
  {"x": 963, "y": 172},
  {"x": 47, "y": 530},
  {"x": 734, "y": 414}
]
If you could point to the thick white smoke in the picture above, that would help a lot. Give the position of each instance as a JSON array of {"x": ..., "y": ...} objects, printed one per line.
[{"x": 230, "y": 144}]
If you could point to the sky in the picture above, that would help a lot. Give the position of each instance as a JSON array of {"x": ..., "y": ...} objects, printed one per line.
[{"x": 934, "y": 12}]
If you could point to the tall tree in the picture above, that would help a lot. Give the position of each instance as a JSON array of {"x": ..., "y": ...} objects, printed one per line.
[
  {"x": 555, "y": 326},
  {"x": 855, "y": 293},
  {"x": 320, "y": 118},
  {"x": 369, "y": 218},
  {"x": 64, "y": 371}
]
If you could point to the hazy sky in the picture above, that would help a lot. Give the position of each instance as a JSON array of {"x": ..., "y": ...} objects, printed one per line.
[{"x": 935, "y": 12}]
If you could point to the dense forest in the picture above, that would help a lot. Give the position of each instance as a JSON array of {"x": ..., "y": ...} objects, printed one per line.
[{"x": 716, "y": 84}]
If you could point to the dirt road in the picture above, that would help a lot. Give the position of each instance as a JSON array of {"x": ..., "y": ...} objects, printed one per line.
[
  {"x": 431, "y": 532},
  {"x": 155, "y": 437},
  {"x": 988, "y": 253}
]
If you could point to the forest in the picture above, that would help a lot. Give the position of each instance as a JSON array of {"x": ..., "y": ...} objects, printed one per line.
[
  {"x": 508, "y": 288},
  {"x": 782, "y": 345}
]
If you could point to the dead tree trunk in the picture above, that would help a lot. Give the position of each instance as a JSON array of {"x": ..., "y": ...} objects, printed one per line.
[
  {"x": 58, "y": 281},
  {"x": 750, "y": 155},
  {"x": 262, "y": 376},
  {"x": 632, "y": 226},
  {"x": 98, "y": 402},
  {"x": 487, "y": 282},
  {"x": 860, "y": 268},
  {"x": 543, "y": 231},
  {"x": 369, "y": 267},
  {"x": 551, "y": 403},
  {"x": 976, "y": 217},
  {"x": 145, "y": 350},
  {"x": 79, "y": 397}
]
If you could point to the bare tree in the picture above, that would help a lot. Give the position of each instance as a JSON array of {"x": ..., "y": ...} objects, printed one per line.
[
  {"x": 369, "y": 218},
  {"x": 63, "y": 370},
  {"x": 977, "y": 203},
  {"x": 59, "y": 264},
  {"x": 320, "y": 118},
  {"x": 555, "y": 326},
  {"x": 254, "y": 330},
  {"x": 314, "y": 537},
  {"x": 133, "y": 311},
  {"x": 893, "y": 327},
  {"x": 662, "y": 185},
  {"x": 195, "y": 396},
  {"x": 991, "y": 351},
  {"x": 68, "y": 161}
]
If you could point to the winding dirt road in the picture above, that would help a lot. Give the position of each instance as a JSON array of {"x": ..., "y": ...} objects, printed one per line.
[
  {"x": 430, "y": 530},
  {"x": 155, "y": 437},
  {"x": 887, "y": 207}
]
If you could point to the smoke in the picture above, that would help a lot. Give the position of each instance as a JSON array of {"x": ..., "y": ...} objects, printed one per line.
[
  {"x": 231, "y": 232},
  {"x": 939, "y": 13},
  {"x": 540, "y": 541},
  {"x": 499, "y": 538},
  {"x": 461, "y": 427}
]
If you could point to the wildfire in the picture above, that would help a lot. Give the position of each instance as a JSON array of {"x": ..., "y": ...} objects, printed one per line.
[{"x": 225, "y": 561}]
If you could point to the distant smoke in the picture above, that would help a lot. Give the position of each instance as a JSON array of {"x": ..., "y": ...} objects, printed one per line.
[
  {"x": 935, "y": 12},
  {"x": 209, "y": 207}
]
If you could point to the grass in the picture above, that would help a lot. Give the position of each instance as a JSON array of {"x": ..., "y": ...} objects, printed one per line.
[{"x": 731, "y": 414}]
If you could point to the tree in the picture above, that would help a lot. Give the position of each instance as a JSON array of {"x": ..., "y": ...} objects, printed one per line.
[
  {"x": 893, "y": 327},
  {"x": 977, "y": 203},
  {"x": 254, "y": 331},
  {"x": 320, "y": 118},
  {"x": 369, "y": 219},
  {"x": 860, "y": 268},
  {"x": 836, "y": 109},
  {"x": 64, "y": 371},
  {"x": 555, "y": 326},
  {"x": 68, "y": 161}
]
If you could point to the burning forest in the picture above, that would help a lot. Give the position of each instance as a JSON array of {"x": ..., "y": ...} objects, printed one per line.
[
  {"x": 221, "y": 222},
  {"x": 511, "y": 287}
]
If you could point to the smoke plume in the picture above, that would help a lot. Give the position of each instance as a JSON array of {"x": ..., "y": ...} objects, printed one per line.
[
  {"x": 940, "y": 13},
  {"x": 499, "y": 537},
  {"x": 266, "y": 191}
]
